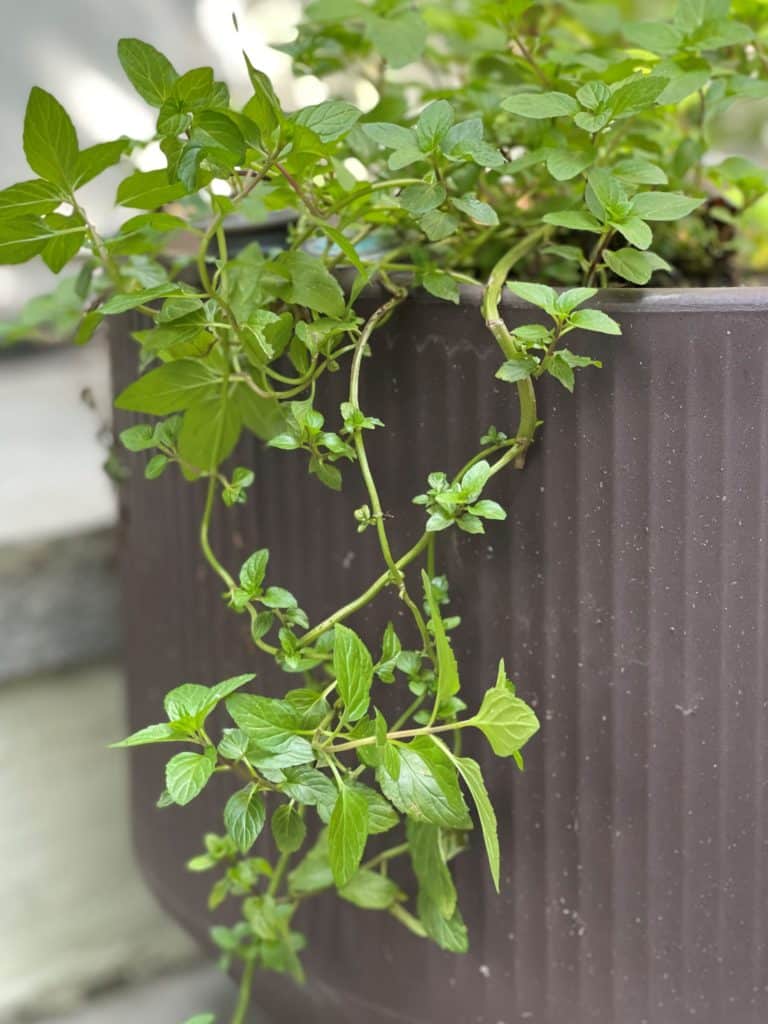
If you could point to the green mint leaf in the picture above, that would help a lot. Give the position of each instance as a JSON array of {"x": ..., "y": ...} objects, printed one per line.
[
  {"x": 470, "y": 523},
  {"x": 150, "y": 73},
  {"x": 156, "y": 466},
  {"x": 209, "y": 433},
  {"x": 220, "y": 691},
  {"x": 188, "y": 701},
  {"x": 561, "y": 370},
  {"x": 574, "y": 220},
  {"x": 218, "y": 135},
  {"x": 568, "y": 301},
  {"x": 329, "y": 120},
  {"x": 488, "y": 510},
  {"x": 433, "y": 124},
  {"x": 473, "y": 776},
  {"x": 138, "y": 438},
  {"x": 594, "y": 320},
  {"x": 682, "y": 85},
  {"x": 536, "y": 335},
  {"x": 272, "y": 725},
  {"x": 609, "y": 193},
  {"x": 311, "y": 283},
  {"x": 50, "y": 140},
  {"x": 426, "y": 787},
  {"x": 663, "y": 205},
  {"x": 263, "y": 107},
  {"x": 540, "y": 105},
  {"x": 517, "y": 369},
  {"x": 195, "y": 89},
  {"x": 370, "y": 890},
  {"x": 244, "y": 817},
  {"x": 637, "y": 95},
  {"x": 594, "y": 96},
  {"x": 391, "y": 136},
  {"x": 234, "y": 744},
  {"x": 436, "y": 901},
  {"x": 347, "y": 835},
  {"x": 420, "y": 199},
  {"x": 87, "y": 327},
  {"x": 187, "y": 774},
  {"x": 656, "y": 36},
  {"x": 172, "y": 387},
  {"x": 253, "y": 571},
  {"x": 390, "y": 650},
  {"x": 278, "y": 597},
  {"x": 476, "y": 210},
  {"x": 122, "y": 303},
  {"x": 29, "y": 199},
  {"x": 564, "y": 165},
  {"x": 404, "y": 158},
  {"x": 474, "y": 480},
  {"x": 505, "y": 720},
  {"x": 592, "y": 123},
  {"x": 471, "y": 773},
  {"x": 447, "y": 669},
  {"x": 438, "y": 225},
  {"x": 288, "y": 829},
  {"x": 22, "y": 239},
  {"x": 572, "y": 359},
  {"x": 636, "y": 171},
  {"x": 309, "y": 786},
  {"x": 313, "y": 873},
  {"x": 635, "y": 230},
  {"x": 438, "y": 521},
  {"x": 540, "y": 295},
  {"x": 353, "y": 668},
  {"x": 382, "y": 817},
  {"x": 147, "y": 190},
  {"x": 67, "y": 235},
  {"x": 94, "y": 160},
  {"x": 162, "y": 733},
  {"x": 430, "y": 866},
  {"x": 635, "y": 266},
  {"x": 400, "y": 41},
  {"x": 441, "y": 285}
]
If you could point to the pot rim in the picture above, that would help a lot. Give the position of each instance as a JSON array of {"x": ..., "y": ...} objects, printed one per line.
[
  {"x": 736, "y": 298},
  {"x": 623, "y": 300}
]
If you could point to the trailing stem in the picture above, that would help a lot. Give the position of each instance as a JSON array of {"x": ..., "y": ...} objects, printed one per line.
[{"x": 498, "y": 328}]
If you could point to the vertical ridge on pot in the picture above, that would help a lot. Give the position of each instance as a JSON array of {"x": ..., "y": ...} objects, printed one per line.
[
  {"x": 559, "y": 645},
  {"x": 667, "y": 510},
  {"x": 630, "y": 573},
  {"x": 700, "y": 614},
  {"x": 592, "y": 920}
]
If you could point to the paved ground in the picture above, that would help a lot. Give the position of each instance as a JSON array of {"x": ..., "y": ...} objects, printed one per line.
[
  {"x": 52, "y": 481},
  {"x": 170, "y": 1000}
]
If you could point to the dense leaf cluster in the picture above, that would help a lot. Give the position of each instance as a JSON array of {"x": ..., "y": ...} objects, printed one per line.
[{"x": 543, "y": 138}]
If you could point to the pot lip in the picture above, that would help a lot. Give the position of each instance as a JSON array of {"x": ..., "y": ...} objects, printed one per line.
[
  {"x": 662, "y": 300},
  {"x": 732, "y": 298},
  {"x": 747, "y": 298},
  {"x": 646, "y": 300}
]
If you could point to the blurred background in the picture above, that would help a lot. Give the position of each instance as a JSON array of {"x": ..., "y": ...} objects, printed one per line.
[{"x": 80, "y": 933}]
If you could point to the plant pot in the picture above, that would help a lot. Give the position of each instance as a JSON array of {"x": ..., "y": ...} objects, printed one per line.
[{"x": 627, "y": 593}]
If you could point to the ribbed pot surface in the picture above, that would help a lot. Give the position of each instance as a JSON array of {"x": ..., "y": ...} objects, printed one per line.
[{"x": 627, "y": 593}]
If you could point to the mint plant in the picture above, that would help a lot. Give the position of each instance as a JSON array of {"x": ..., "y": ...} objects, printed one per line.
[{"x": 570, "y": 148}]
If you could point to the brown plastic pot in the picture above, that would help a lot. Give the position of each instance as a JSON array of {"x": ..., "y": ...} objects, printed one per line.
[{"x": 627, "y": 593}]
